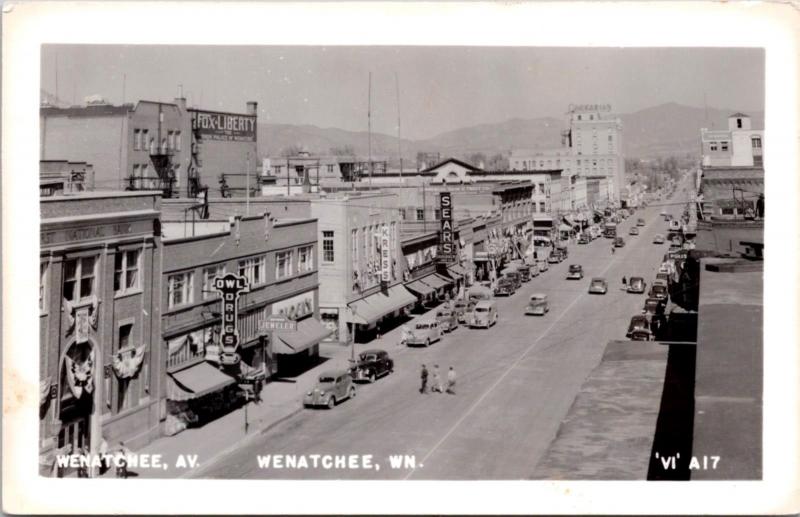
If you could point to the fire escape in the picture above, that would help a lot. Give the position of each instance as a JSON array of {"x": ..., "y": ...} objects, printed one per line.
[{"x": 161, "y": 155}]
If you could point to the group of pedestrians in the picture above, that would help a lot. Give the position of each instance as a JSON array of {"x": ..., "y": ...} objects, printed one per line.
[{"x": 436, "y": 384}]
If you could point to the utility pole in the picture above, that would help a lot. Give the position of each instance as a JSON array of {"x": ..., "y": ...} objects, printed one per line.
[
  {"x": 399, "y": 138},
  {"x": 247, "y": 202},
  {"x": 369, "y": 127}
]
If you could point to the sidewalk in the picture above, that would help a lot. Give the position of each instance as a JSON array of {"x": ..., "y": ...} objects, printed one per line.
[{"x": 281, "y": 399}]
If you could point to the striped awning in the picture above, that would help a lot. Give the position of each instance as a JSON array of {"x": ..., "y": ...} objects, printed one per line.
[{"x": 197, "y": 380}]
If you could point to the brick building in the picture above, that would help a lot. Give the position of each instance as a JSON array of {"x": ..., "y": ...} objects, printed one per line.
[{"x": 100, "y": 363}]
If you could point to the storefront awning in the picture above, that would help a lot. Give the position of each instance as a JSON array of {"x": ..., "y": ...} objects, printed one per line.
[
  {"x": 309, "y": 332},
  {"x": 457, "y": 271},
  {"x": 436, "y": 281},
  {"x": 370, "y": 309},
  {"x": 196, "y": 381},
  {"x": 564, "y": 228},
  {"x": 421, "y": 288}
]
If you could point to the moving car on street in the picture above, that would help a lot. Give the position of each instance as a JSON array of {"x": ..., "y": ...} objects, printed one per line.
[
  {"x": 424, "y": 333},
  {"x": 658, "y": 239},
  {"x": 598, "y": 286},
  {"x": 575, "y": 272},
  {"x": 633, "y": 231},
  {"x": 583, "y": 239},
  {"x": 448, "y": 320},
  {"x": 332, "y": 387},
  {"x": 484, "y": 315},
  {"x": 372, "y": 364},
  {"x": 619, "y": 242},
  {"x": 640, "y": 222},
  {"x": 537, "y": 305},
  {"x": 636, "y": 285}
]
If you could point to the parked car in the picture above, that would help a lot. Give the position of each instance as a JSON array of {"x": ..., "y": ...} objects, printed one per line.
[
  {"x": 564, "y": 251},
  {"x": 575, "y": 272},
  {"x": 485, "y": 314},
  {"x": 663, "y": 276},
  {"x": 633, "y": 231},
  {"x": 448, "y": 319},
  {"x": 463, "y": 309},
  {"x": 619, "y": 242},
  {"x": 505, "y": 287},
  {"x": 372, "y": 364},
  {"x": 424, "y": 333},
  {"x": 534, "y": 269},
  {"x": 639, "y": 328},
  {"x": 524, "y": 271},
  {"x": 658, "y": 239},
  {"x": 636, "y": 284},
  {"x": 480, "y": 292},
  {"x": 583, "y": 239},
  {"x": 598, "y": 286},
  {"x": 555, "y": 257},
  {"x": 512, "y": 273},
  {"x": 659, "y": 291},
  {"x": 332, "y": 387},
  {"x": 537, "y": 304},
  {"x": 543, "y": 265},
  {"x": 640, "y": 222}
]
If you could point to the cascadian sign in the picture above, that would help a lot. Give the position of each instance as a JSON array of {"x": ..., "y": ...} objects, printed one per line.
[
  {"x": 447, "y": 246},
  {"x": 224, "y": 126}
]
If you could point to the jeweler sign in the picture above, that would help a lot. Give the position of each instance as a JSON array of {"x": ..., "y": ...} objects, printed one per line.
[
  {"x": 230, "y": 287},
  {"x": 447, "y": 245}
]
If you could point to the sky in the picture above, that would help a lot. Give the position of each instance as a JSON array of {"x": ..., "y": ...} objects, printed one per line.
[{"x": 440, "y": 88}]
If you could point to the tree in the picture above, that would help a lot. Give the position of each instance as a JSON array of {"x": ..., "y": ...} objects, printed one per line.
[
  {"x": 292, "y": 150},
  {"x": 498, "y": 162},
  {"x": 476, "y": 159},
  {"x": 343, "y": 150}
]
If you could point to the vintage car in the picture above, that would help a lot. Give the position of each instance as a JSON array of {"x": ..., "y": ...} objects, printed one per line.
[
  {"x": 424, "y": 333},
  {"x": 633, "y": 231},
  {"x": 674, "y": 225},
  {"x": 639, "y": 328},
  {"x": 524, "y": 271},
  {"x": 537, "y": 304},
  {"x": 575, "y": 272},
  {"x": 332, "y": 387},
  {"x": 512, "y": 273},
  {"x": 447, "y": 318},
  {"x": 505, "y": 287},
  {"x": 636, "y": 284},
  {"x": 583, "y": 239},
  {"x": 658, "y": 239},
  {"x": 658, "y": 290},
  {"x": 484, "y": 315},
  {"x": 598, "y": 286},
  {"x": 463, "y": 310},
  {"x": 640, "y": 222},
  {"x": 533, "y": 269},
  {"x": 555, "y": 257},
  {"x": 619, "y": 242},
  {"x": 480, "y": 292},
  {"x": 564, "y": 251},
  {"x": 663, "y": 275},
  {"x": 372, "y": 364}
]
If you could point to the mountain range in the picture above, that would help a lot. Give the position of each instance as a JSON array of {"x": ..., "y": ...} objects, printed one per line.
[{"x": 669, "y": 129}]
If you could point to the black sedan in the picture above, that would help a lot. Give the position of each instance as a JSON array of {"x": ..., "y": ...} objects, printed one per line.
[{"x": 372, "y": 364}]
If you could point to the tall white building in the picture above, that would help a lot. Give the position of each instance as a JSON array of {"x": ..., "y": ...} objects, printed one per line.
[
  {"x": 591, "y": 148},
  {"x": 740, "y": 145}
]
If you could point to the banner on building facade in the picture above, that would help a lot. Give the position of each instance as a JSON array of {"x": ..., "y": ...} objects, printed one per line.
[
  {"x": 386, "y": 255},
  {"x": 447, "y": 246},
  {"x": 229, "y": 127}
]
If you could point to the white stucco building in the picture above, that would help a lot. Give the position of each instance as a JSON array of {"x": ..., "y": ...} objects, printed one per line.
[{"x": 740, "y": 145}]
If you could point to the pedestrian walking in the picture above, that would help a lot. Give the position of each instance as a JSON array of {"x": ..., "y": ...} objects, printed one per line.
[
  {"x": 613, "y": 249},
  {"x": 423, "y": 375},
  {"x": 624, "y": 282},
  {"x": 404, "y": 335},
  {"x": 451, "y": 381},
  {"x": 437, "y": 380}
]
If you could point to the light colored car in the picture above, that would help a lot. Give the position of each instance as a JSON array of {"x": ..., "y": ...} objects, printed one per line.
[
  {"x": 598, "y": 286},
  {"x": 636, "y": 285},
  {"x": 658, "y": 239},
  {"x": 633, "y": 231},
  {"x": 332, "y": 387},
  {"x": 463, "y": 309},
  {"x": 484, "y": 314},
  {"x": 538, "y": 305},
  {"x": 447, "y": 318},
  {"x": 424, "y": 333}
]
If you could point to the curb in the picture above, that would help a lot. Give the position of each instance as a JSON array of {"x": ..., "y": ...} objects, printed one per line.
[{"x": 241, "y": 443}]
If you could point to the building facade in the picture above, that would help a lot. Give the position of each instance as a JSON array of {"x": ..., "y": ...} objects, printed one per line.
[
  {"x": 279, "y": 260},
  {"x": 100, "y": 363},
  {"x": 739, "y": 146}
]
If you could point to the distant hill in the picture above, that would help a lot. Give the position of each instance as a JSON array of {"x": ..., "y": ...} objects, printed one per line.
[{"x": 667, "y": 129}]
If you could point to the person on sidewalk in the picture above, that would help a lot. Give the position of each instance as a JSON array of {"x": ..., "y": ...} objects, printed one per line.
[
  {"x": 404, "y": 334},
  {"x": 451, "y": 381},
  {"x": 436, "y": 385},
  {"x": 423, "y": 375},
  {"x": 624, "y": 283}
]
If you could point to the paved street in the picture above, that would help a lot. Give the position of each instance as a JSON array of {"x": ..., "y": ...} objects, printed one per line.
[{"x": 516, "y": 382}]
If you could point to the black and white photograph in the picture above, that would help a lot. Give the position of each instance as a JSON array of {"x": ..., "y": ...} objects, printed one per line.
[{"x": 402, "y": 262}]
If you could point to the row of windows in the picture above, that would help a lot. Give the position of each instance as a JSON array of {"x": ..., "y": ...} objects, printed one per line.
[
  {"x": 143, "y": 141},
  {"x": 180, "y": 286}
]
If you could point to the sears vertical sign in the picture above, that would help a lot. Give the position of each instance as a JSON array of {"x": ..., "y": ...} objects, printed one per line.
[{"x": 447, "y": 246}]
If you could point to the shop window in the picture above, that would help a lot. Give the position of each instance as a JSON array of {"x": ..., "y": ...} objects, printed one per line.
[
  {"x": 283, "y": 264},
  {"x": 126, "y": 271},
  {"x": 254, "y": 269},
  {"x": 209, "y": 274},
  {"x": 327, "y": 246},
  {"x": 305, "y": 259},
  {"x": 79, "y": 276},
  {"x": 43, "y": 270},
  {"x": 180, "y": 289}
]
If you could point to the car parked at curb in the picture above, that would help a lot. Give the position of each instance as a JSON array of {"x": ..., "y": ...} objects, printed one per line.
[
  {"x": 424, "y": 333},
  {"x": 658, "y": 290},
  {"x": 598, "y": 286},
  {"x": 639, "y": 329},
  {"x": 331, "y": 388},
  {"x": 505, "y": 287},
  {"x": 463, "y": 309},
  {"x": 372, "y": 364},
  {"x": 448, "y": 320}
]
